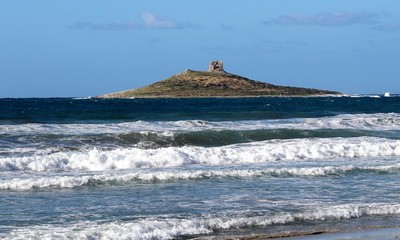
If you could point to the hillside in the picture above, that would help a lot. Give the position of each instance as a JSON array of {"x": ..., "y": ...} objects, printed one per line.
[{"x": 191, "y": 83}]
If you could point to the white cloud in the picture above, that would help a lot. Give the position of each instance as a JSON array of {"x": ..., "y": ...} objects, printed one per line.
[{"x": 151, "y": 21}]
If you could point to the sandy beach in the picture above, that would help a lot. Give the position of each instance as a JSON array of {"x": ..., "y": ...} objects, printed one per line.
[
  {"x": 369, "y": 234},
  {"x": 357, "y": 234},
  {"x": 381, "y": 233}
]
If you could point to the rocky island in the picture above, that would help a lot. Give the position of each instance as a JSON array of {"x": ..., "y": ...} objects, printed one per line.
[{"x": 215, "y": 82}]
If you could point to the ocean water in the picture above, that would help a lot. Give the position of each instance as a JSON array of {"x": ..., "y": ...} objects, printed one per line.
[{"x": 197, "y": 168}]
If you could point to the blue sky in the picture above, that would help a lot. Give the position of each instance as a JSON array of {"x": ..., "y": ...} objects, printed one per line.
[{"x": 60, "y": 48}]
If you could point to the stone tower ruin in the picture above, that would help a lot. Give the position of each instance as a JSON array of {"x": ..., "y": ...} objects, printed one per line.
[{"x": 216, "y": 66}]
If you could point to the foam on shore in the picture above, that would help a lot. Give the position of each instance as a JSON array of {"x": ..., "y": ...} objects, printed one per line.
[{"x": 168, "y": 228}]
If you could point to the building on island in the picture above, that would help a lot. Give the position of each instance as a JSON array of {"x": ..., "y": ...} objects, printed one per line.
[{"x": 216, "y": 66}]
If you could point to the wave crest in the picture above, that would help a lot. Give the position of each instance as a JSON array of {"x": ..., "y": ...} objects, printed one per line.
[
  {"x": 256, "y": 152},
  {"x": 376, "y": 121},
  {"x": 172, "y": 228},
  {"x": 67, "y": 181}
]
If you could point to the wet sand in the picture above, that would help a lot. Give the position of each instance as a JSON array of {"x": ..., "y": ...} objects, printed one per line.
[{"x": 370, "y": 234}]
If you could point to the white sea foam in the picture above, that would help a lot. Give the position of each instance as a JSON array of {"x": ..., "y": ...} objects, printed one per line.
[
  {"x": 29, "y": 182},
  {"x": 378, "y": 121},
  {"x": 167, "y": 228},
  {"x": 255, "y": 152}
]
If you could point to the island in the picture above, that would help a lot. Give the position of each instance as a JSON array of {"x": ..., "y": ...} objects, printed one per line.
[{"x": 215, "y": 82}]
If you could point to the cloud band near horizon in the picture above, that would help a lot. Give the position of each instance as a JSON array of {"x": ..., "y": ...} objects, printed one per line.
[
  {"x": 327, "y": 19},
  {"x": 149, "y": 21}
]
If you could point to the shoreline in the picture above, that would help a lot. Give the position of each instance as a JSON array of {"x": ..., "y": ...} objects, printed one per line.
[
  {"x": 367, "y": 95},
  {"x": 358, "y": 234},
  {"x": 216, "y": 97},
  {"x": 203, "y": 97},
  {"x": 366, "y": 234}
]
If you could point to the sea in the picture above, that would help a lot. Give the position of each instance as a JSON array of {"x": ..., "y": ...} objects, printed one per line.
[{"x": 205, "y": 168}]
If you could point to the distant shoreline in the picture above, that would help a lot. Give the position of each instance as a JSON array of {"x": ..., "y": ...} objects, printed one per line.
[
  {"x": 368, "y": 95},
  {"x": 202, "y": 97}
]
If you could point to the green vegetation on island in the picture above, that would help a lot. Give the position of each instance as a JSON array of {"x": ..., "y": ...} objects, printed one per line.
[{"x": 213, "y": 83}]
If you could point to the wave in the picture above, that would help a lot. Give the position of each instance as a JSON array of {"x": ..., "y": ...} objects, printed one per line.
[
  {"x": 378, "y": 121},
  {"x": 71, "y": 181},
  {"x": 254, "y": 152},
  {"x": 169, "y": 227},
  {"x": 38, "y": 144},
  {"x": 22, "y": 140}
]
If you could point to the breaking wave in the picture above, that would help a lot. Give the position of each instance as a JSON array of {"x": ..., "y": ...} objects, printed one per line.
[
  {"x": 168, "y": 228},
  {"x": 377, "y": 121},
  {"x": 71, "y": 181},
  {"x": 255, "y": 152}
]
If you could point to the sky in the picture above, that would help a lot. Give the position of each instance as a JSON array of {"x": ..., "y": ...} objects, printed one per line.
[{"x": 81, "y": 48}]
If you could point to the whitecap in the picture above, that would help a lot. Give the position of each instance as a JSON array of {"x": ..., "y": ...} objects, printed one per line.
[
  {"x": 32, "y": 181},
  {"x": 170, "y": 227},
  {"x": 248, "y": 153},
  {"x": 376, "y": 121}
]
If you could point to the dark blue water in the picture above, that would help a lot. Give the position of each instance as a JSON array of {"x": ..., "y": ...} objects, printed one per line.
[
  {"x": 183, "y": 168},
  {"x": 61, "y": 110}
]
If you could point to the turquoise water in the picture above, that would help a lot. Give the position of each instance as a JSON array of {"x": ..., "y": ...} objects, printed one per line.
[{"x": 183, "y": 168}]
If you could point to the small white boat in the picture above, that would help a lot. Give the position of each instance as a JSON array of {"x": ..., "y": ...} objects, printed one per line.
[{"x": 387, "y": 94}]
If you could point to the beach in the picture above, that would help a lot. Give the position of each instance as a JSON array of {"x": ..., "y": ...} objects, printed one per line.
[
  {"x": 368, "y": 234},
  {"x": 381, "y": 233}
]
